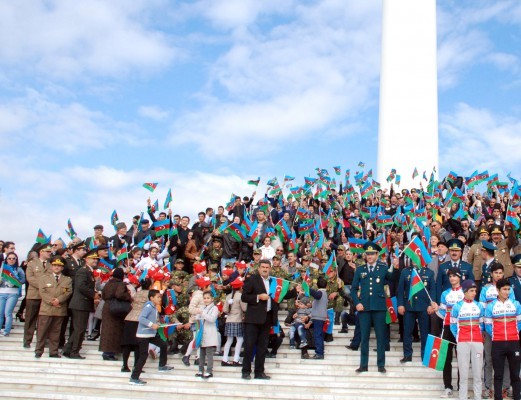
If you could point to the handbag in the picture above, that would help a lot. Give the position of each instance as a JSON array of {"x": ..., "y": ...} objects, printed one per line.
[{"x": 119, "y": 308}]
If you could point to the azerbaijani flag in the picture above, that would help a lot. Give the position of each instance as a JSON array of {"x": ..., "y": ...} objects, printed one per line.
[
  {"x": 165, "y": 331},
  {"x": 418, "y": 253},
  {"x": 198, "y": 336},
  {"x": 278, "y": 289},
  {"x": 105, "y": 265},
  {"x": 122, "y": 253},
  {"x": 361, "y": 164},
  {"x": 416, "y": 284},
  {"x": 41, "y": 238},
  {"x": 237, "y": 232},
  {"x": 162, "y": 227},
  {"x": 436, "y": 350},
  {"x": 415, "y": 173},
  {"x": 305, "y": 287},
  {"x": 114, "y": 218},
  {"x": 356, "y": 245},
  {"x": 168, "y": 199},
  {"x": 254, "y": 182},
  {"x": 8, "y": 275},
  {"x": 392, "y": 306},
  {"x": 329, "y": 323},
  {"x": 169, "y": 302},
  {"x": 330, "y": 265},
  {"x": 150, "y": 186},
  {"x": 72, "y": 233}
]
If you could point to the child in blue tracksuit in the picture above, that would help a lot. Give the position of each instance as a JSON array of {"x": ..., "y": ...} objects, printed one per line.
[{"x": 146, "y": 334}]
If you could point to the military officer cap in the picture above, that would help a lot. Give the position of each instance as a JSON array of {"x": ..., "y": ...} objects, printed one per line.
[
  {"x": 371, "y": 247},
  {"x": 98, "y": 226},
  {"x": 45, "y": 247},
  {"x": 78, "y": 245},
  {"x": 486, "y": 245},
  {"x": 454, "y": 271},
  {"x": 455, "y": 244},
  {"x": 257, "y": 251},
  {"x": 517, "y": 260},
  {"x": 483, "y": 230},
  {"x": 468, "y": 284},
  {"x": 92, "y": 254},
  {"x": 496, "y": 229},
  {"x": 58, "y": 260}
]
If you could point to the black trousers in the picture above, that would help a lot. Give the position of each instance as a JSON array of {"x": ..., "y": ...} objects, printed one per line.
[
  {"x": 143, "y": 354},
  {"x": 506, "y": 350},
  {"x": 447, "y": 370},
  {"x": 80, "y": 321},
  {"x": 256, "y": 335}
]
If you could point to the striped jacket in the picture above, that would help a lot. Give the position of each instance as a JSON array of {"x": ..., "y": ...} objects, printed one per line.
[
  {"x": 503, "y": 320},
  {"x": 467, "y": 322}
]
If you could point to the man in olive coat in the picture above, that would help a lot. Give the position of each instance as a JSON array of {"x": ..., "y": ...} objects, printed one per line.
[{"x": 55, "y": 291}]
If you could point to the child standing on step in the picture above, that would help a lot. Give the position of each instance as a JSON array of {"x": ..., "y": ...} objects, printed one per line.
[{"x": 208, "y": 315}]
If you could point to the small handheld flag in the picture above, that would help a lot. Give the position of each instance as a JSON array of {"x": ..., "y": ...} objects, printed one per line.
[
  {"x": 150, "y": 186},
  {"x": 436, "y": 350}
]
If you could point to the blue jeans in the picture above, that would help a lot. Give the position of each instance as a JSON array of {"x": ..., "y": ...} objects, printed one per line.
[
  {"x": 318, "y": 333},
  {"x": 297, "y": 327},
  {"x": 7, "y": 303}
]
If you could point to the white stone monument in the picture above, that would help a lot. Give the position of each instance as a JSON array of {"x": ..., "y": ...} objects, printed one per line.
[{"x": 408, "y": 123}]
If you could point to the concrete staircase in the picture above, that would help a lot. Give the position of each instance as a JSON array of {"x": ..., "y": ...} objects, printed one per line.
[{"x": 24, "y": 377}]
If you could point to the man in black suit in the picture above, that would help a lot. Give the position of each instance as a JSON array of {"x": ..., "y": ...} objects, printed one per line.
[
  {"x": 82, "y": 303},
  {"x": 261, "y": 315}
]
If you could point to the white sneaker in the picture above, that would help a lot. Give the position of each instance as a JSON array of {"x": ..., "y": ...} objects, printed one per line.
[{"x": 447, "y": 393}]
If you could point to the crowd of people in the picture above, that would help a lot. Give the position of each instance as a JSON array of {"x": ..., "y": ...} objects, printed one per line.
[{"x": 335, "y": 256}]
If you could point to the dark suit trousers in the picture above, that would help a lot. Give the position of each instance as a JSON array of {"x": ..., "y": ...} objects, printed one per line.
[
  {"x": 48, "y": 328},
  {"x": 80, "y": 320},
  {"x": 32, "y": 309},
  {"x": 143, "y": 354},
  {"x": 256, "y": 335}
]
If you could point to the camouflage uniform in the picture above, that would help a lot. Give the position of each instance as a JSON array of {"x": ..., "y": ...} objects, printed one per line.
[
  {"x": 182, "y": 336},
  {"x": 214, "y": 256}
]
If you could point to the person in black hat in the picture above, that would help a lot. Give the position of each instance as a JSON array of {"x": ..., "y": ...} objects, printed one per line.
[
  {"x": 449, "y": 298},
  {"x": 98, "y": 236},
  {"x": 502, "y": 253},
  {"x": 488, "y": 251},
  {"x": 455, "y": 247},
  {"x": 474, "y": 256},
  {"x": 370, "y": 280}
]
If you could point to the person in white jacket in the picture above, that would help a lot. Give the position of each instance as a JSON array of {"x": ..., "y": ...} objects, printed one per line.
[{"x": 208, "y": 315}]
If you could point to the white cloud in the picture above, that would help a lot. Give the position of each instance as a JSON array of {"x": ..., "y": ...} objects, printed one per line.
[
  {"x": 289, "y": 82},
  {"x": 47, "y": 199},
  {"x": 66, "y": 39},
  {"x": 153, "y": 112},
  {"x": 487, "y": 140},
  {"x": 38, "y": 120}
]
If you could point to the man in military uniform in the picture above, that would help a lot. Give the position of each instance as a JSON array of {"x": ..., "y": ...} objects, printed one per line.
[
  {"x": 215, "y": 254},
  {"x": 183, "y": 335},
  {"x": 81, "y": 304},
  {"x": 369, "y": 297},
  {"x": 474, "y": 255},
  {"x": 55, "y": 290},
  {"x": 176, "y": 283},
  {"x": 36, "y": 268},
  {"x": 335, "y": 301},
  {"x": 276, "y": 269},
  {"x": 254, "y": 264},
  {"x": 487, "y": 254},
  {"x": 416, "y": 309},
  {"x": 502, "y": 253},
  {"x": 75, "y": 261},
  {"x": 455, "y": 252}
]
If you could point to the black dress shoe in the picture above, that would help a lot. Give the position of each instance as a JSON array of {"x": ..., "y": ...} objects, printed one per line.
[
  {"x": 246, "y": 376},
  {"x": 386, "y": 349},
  {"x": 406, "y": 359},
  {"x": 55, "y": 356},
  {"x": 318, "y": 357},
  {"x": 110, "y": 358},
  {"x": 350, "y": 347},
  {"x": 66, "y": 354},
  {"x": 361, "y": 369},
  {"x": 269, "y": 355},
  {"x": 76, "y": 357},
  {"x": 125, "y": 369},
  {"x": 27, "y": 346},
  {"x": 263, "y": 376},
  {"x": 38, "y": 355},
  {"x": 382, "y": 370}
]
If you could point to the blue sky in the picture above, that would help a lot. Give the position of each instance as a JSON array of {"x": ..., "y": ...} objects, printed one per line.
[{"x": 201, "y": 96}]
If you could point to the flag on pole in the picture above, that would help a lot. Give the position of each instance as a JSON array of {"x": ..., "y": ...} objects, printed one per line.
[
  {"x": 162, "y": 227},
  {"x": 415, "y": 173},
  {"x": 254, "y": 182},
  {"x": 72, "y": 233},
  {"x": 41, "y": 238},
  {"x": 169, "y": 302},
  {"x": 418, "y": 253},
  {"x": 416, "y": 284},
  {"x": 356, "y": 246},
  {"x": 150, "y": 186},
  {"x": 8, "y": 275},
  {"x": 329, "y": 323},
  {"x": 198, "y": 336},
  {"x": 168, "y": 199},
  {"x": 167, "y": 330},
  {"x": 122, "y": 253},
  {"x": 114, "y": 218},
  {"x": 436, "y": 350},
  {"x": 392, "y": 306}
]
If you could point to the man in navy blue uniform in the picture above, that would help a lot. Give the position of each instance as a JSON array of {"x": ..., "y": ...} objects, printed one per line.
[
  {"x": 369, "y": 297},
  {"x": 417, "y": 309},
  {"x": 455, "y": 252},
  {"x": 515, "y": 280}
]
